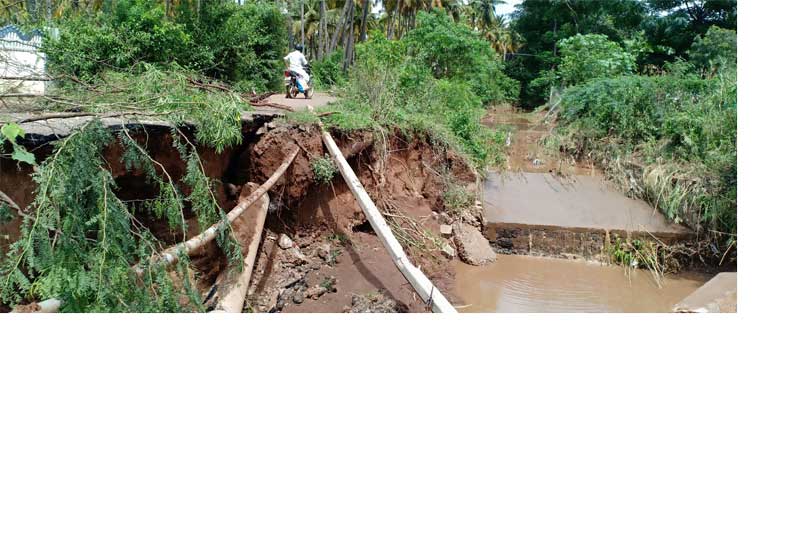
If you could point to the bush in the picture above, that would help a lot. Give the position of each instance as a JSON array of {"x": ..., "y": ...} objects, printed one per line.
[
  {"x": 682, "y": 128},
  {"x": 242, "y": 45},
  {"x": 327, "y": 72},
  {"x": 455, "y": 51},
  {"x": 135, "y": 31},
  {"x": 389, "y": 86},
  {"x": 592, "y": 56},
  {"x": 715, "y": 50}
]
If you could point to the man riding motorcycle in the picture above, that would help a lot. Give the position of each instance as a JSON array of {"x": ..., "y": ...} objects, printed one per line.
[{"x": 297, "y": 63}]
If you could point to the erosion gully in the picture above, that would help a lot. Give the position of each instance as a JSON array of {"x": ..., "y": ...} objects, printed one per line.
[{"x": 525, "y": 283}]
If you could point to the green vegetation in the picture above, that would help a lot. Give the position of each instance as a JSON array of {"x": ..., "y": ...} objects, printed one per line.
[
  {"x": 324, "y": 169},
  {"x": 436, "y": 81},
  {"x": 678, "y": 130},
  {"x": 240, "y": 45},
  {"x": 79, "y": 241},
  {"x": 654, "y": 32}
]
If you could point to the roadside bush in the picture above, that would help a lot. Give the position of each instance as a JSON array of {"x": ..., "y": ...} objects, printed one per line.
[
  {"x": 327, "y": 73},
  {"x": 680, "y": 129},
  {"x": 134, "y": 31},
  {"x": 242, "y": 45},
  {"x": 388, "y": 86}
]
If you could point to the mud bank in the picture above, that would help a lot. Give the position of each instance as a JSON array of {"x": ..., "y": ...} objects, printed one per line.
[{"x": 318, "y": 253}]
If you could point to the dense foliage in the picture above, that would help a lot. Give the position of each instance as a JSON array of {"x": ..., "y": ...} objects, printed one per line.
[
  {"x": 655, "y": 32},
  {"x": 418, "y": 85},
  {"x": 242, "y": 45}
]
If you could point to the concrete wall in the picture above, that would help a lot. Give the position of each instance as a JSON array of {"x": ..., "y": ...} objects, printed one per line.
[{"x": 20, "y": 59}]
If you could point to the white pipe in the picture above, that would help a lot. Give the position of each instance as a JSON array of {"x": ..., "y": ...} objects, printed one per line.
[{"x": 426, "y": 289}]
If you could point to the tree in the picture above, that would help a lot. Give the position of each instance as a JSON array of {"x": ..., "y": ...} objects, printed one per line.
[{"x": 541, "y": 24}]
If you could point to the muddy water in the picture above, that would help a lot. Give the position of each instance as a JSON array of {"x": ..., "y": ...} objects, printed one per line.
[
  {"x": 529, "y": 284},
  {"x": 525, "y": 150}
]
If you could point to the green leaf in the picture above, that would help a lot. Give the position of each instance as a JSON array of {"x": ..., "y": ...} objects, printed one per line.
[
  {"x": 11, "y": 131},
  {"x": 21, "y": 154}
]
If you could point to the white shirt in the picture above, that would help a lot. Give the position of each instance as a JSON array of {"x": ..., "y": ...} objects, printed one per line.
[{"x": 296, "y": 60}]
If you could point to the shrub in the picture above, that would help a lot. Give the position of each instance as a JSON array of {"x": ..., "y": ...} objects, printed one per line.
[
  {"x": 715, "y": 50},
  {"x": 327, "y": 72},
  {"x": 455, "y": 51},
  {"x": 682, "y": 129},
  {"x": 134, "y": 31},
  {"x": 324, "y": 169},
  {"x": 592, "y": 56},
  {"x": 242, "y": 45}
]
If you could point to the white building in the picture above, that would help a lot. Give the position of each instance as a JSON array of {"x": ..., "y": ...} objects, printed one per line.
[{"x": 22, "y": 64}]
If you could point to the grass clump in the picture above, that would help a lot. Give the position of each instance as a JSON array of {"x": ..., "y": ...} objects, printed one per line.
[
  {"x": 324, "y": 169},
  {"x": 456, "y": 197}
]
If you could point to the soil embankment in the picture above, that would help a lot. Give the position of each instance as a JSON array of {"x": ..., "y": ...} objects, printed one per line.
[{"x": 317, "y": 253}]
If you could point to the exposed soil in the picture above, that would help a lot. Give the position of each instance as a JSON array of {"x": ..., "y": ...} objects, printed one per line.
[{"x": 337, "y": 263}]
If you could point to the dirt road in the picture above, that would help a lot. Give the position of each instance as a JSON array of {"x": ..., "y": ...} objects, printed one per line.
[{"x": 318, "y": 100}]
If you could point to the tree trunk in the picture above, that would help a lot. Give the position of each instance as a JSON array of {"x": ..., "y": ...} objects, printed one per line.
[
  {"x": 323, "y": 38},
  {"x": 303, "y": 35},
  {"x": 362, "y": 36},
  {"x": 340, "y": 24},
  {"x": 349, "y": 46}
]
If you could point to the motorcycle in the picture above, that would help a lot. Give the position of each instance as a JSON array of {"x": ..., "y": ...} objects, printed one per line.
[{"x": 294, "y": 87}]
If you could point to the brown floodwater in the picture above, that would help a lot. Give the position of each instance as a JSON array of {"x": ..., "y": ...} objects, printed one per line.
[
  {"x": 530, "y": 284},
  {"x": 525, "y": 150}
]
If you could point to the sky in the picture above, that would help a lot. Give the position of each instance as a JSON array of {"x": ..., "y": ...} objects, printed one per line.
[{"x": 507, "y": 7}]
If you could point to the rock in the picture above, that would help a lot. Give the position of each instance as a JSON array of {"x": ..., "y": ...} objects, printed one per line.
[
  {"x": 294, "y": 256},
  {"x": 284, "y": 242},
  {"x": 473, "y": 248},
  {"x": 292, "y": 278},
  {"x": 446, "y": 230},
  {"x": 444, "y": 218},
  {"x": 469, "y": 218},
  {"x": 376, "y": 302},
  {"x": 270, "y": 302},
  {"x": 448, "y": 251},
  {"x": 298, "y": 298},
  {"x": 282, "y": 299},
  {"x": 315, "y": 292},
  {"x": 324, "y": 251}
]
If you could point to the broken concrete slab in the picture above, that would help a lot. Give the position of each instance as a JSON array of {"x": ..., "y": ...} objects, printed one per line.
[
  {"x": 717, "y": 295},
  {"x": 576, "y": 202},
  {"x": 545, "y": 215},
  {"x": 473, "y": 248}
]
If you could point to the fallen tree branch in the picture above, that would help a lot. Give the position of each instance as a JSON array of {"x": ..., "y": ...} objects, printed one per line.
[
  {"x": 191, "y": 246},
  {"x": 11, "y": 203},
  {"x": 231, "y": 297}
]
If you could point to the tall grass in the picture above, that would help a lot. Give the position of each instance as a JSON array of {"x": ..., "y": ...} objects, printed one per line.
[{"x": 670, "y": 140}]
